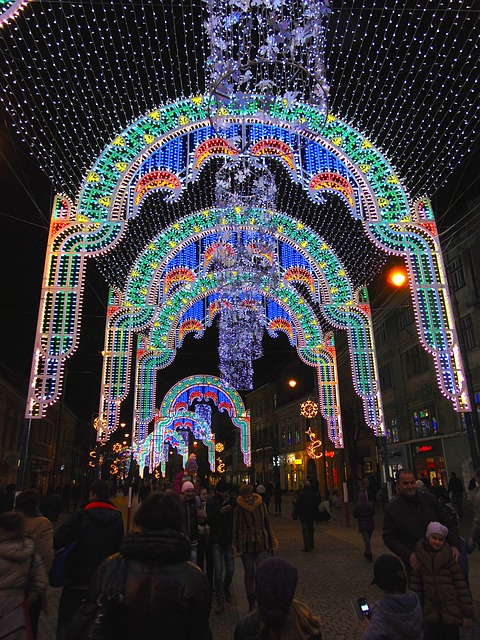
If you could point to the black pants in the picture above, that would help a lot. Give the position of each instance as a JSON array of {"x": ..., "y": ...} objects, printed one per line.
[
  {"x": 70, "y": 602},
  {"x": 308, "y": 528}
]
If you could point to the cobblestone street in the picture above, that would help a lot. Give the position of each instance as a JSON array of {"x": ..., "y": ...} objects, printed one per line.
[{"x": 328, "y": 577}]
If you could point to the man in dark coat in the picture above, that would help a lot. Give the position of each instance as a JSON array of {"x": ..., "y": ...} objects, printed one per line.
[
  {"x": 220, "y": 519},
  {"x": 306, "y": 509},
  {"x": 98, "y": 532},
  {"x": 456, "y": 490},
  {"x": 407, "y": 517}
]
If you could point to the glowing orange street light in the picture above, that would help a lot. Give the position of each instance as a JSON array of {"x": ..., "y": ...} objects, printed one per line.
[
  {"x": 397, "y": 276},
  {"x": 292, "y": 383}
]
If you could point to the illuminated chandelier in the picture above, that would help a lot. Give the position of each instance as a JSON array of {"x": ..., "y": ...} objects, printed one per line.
[
  {"x": 244, "y": 261},
  {"x": 264, "y": 55}
]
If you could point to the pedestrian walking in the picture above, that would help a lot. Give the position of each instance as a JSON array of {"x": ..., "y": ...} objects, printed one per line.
[
  {"x": 277, "y": 497},
  {"x": 52, "y": 505},
  {"x": 253, "y": 536},
  {"x": 456, "y": 491},
  {"x": 97, "y": 530},
  {"x": 204, "y": 555},
  {"x": 406, "y": 519},
  {"x": 190, "y": 518},
  {"x": 40, "y": 530},
  {"x": 220, "y": 510},
  {"x": 306, "y": 510},
  {"x": 441, "y": 587},
  {"x": 398, "y": 615},
  {"x": 23, "y": 578},
  {"x": 364, "y": 512},
  {"x": 278, "y": 616},
  {"x": 162, "y": 594}
]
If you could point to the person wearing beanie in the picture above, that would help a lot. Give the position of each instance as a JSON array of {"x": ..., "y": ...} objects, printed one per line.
[
  {"x": 190, "y": 517},
  {"x": 407, "y": 516},
  {"x": 398, "y": 615},
  {"x": 253, "y": 537},
  {"x": 364, "y": 512},
  {"x": 441, "y": 587},
  {"x": 220, "y": 510},
  {"x": 278, "y": 615}
]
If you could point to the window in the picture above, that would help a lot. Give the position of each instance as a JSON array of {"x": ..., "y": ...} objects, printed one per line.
[
  {"x": 468, "y": 334},
  {"x": 290, "y": 437},
  {"x": 415, "y": 360},
  {"x": 385, "y": 376},
  {"x": 392, "y": 431},
  {"x": 425, "y": 423},
  {"x": 381, "y": 334},
  {"x": 406, "y": 315},
  {"x": 455, "y": 271},
  {"x": 297, "y": 436}
]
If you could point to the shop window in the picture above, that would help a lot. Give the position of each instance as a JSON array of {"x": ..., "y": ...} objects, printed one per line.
[
  {"x": 392, "y": 431},
  {"x": 425, "y": 423}
]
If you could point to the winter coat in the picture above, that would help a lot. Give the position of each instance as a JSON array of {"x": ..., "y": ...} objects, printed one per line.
[
  {"x": 406, "y": 520},
  {"x": 221, "y": 524},
  {"x": 40, "y": 529},
  {"x": 165, "y": 595},
  {"x": 22, "y": 577},
  {"x": 441, "y": 586},
  {"x": 98, "y": 531},
  {"x": 364, "y": 512},
  {"x": 252, "y": 529},
  {"x": 190, "y": 519},
  {"x": 396, "y": 617},
  {"x": 306, "y": 505}
]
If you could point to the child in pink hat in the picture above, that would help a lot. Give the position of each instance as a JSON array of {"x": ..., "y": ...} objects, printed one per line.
[{"x": 441, "y": 587}]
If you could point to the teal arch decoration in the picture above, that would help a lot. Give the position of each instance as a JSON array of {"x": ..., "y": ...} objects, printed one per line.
[
  {"x": 175, "y": 405},
  {"x": 377, "y": 197}
]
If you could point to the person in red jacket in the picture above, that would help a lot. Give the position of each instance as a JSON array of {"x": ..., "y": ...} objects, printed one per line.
[{"x": 98, "y": 532}]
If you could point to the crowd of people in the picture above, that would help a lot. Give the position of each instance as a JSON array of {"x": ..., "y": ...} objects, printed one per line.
[{"x": 179, "y": 560}]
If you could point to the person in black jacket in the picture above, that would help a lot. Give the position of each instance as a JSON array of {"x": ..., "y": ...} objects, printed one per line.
[
  {"x": 220, "y": 519},
  {"x": 98, "y": 532},
  {"x": 164, "y": 595},
  {"x": 364, "y": 512},
  {"x": 306, "y": 509},
  {"x": 407, "y": 517}
]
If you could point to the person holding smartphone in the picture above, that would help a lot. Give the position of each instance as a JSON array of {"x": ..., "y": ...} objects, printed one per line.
[{"x": 398, "y": 615}]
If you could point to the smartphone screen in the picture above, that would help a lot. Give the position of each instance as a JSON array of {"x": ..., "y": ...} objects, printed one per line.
[
  {"x": 364, "y": 606},
  {"x": 361, "y": 608}
]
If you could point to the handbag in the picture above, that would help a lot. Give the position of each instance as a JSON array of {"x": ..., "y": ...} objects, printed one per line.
[
  {"x": 101, "y": 619},
  {"x": 62, "y": 560}
]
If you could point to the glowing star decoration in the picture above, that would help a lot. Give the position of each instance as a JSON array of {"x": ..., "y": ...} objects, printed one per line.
[
  {"x": 309, "y": 409},
  {"x": 9, "y": 9},
  {"x": 219, "y": 447}
]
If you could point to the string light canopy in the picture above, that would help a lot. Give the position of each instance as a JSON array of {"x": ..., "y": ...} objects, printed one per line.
[{"x": 75, "y": 73}]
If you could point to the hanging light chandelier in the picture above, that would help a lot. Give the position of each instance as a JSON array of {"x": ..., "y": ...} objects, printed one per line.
[
  {"x": 245, "y": 262},
  {"x": 264, "y": 56}
]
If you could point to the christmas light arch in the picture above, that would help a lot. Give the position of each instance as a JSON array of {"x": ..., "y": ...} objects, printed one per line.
[{"x": 100, "y": 222}]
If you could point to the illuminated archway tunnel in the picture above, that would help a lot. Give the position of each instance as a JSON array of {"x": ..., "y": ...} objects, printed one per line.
[{"x": 169, "y": 151}]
